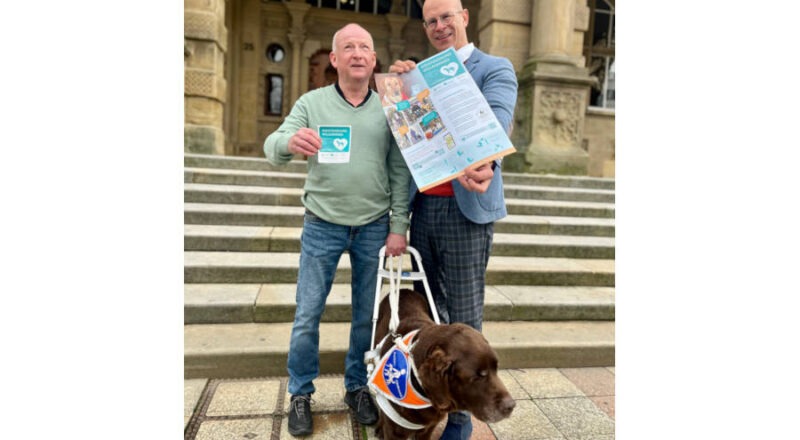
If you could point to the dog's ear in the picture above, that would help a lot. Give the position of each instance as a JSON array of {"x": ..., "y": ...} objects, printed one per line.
[
  {"x": 434, "y": 375},
  {"x": 440, "y": 363}
]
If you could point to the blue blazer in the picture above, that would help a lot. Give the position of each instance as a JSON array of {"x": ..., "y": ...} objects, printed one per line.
[{"x": 497, "y": 81}]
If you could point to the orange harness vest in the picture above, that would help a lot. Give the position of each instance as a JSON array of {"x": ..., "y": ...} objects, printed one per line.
[{"x": 392, "y": 378}]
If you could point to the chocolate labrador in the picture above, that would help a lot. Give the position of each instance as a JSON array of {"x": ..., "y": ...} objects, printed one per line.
[{"x": 456, "y": 370}]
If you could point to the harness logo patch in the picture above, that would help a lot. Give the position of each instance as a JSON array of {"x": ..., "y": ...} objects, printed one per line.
[
  {"x": 392, "y": 377},
  {"x": 395, "y": 373}
]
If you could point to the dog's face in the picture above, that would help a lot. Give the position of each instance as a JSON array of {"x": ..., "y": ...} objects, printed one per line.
[
  {"x": 394, "y": 89},
  {"x": 460, "y": 373}
]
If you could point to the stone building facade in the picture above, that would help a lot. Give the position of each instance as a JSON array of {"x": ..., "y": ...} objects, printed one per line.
[{"x": 247, "y": 61}]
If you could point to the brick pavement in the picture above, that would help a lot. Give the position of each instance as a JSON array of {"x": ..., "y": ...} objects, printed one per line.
[{"x": 552, "y": 404}]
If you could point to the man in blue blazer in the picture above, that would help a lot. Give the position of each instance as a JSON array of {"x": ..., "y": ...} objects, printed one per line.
[{"x": 452, "y": 224}]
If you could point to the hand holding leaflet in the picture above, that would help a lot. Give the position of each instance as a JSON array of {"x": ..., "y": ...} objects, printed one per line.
[{"x": 440, "y": 120}]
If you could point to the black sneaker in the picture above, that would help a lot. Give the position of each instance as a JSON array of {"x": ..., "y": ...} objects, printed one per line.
[
  {"x": 361, "y": 402},
  {"x": 300, "y": 422}
]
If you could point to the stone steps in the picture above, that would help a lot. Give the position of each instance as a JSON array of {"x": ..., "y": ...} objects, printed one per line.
[
  {"x": 248, "y": 183},
  {"x": 248, "y": 164},
  {"x": 260, "y": 349},
  {"x": 530, "y": 202},
  {"x": 265, "y": 303},
  {"x": 282, "y": 267},
  {"x": 292, "y": 216},
  {"x": 550, "y": 298},
  {"x": 285, "y": 239}
]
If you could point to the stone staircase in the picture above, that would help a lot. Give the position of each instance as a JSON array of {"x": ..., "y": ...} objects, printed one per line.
[{"x": 550, "y": 280}]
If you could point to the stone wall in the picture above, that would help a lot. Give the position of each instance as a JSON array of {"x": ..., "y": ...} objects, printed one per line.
[
  {"x": 205, "y": 39},
  {"x": 227, "y": 40},
  {"x": 599, "y": 138}
]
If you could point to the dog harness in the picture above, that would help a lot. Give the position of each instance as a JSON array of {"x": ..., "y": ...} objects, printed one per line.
[
  {"x": 391, "y": 381},
  {"x": 390, "y": 378}
]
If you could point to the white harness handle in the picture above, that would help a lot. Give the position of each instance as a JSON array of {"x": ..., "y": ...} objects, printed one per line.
[
  {"x": 394, "y": 292},
  {"x": 372, "y": 357}
]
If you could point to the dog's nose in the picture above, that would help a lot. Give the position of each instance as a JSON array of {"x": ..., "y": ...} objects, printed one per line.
[{"x": 507, "y": 405}]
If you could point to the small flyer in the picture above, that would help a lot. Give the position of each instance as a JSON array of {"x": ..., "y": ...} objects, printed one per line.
[
  {"x": 441, "y": 120},
  {"x": 335, "y": 144}
]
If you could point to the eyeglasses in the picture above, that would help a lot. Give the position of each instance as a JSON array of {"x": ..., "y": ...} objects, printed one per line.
[{"x": 445, "y": 19}]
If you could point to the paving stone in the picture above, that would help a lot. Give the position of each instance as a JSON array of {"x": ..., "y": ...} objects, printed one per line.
[
  {"x": 336, "y": 426},
  {"x": 527, "y": 422},
  {"x": 513, "y": 387},
  {"x": 192, "y": 390},
  {"x": 577, "y": 418},
  {"x": 545, "y": 383},
  {"x": 328, "y": 397},
  {"x": 245, "y": 397},
  {"x": 235, "y": 429},
  {"x": 605, "y": 403},
  {"x": 592, "y": 381},
  {"x": 480, "y": 430}
]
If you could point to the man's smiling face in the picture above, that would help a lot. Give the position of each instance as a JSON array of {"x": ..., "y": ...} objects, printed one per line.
[{"x": 443, "y": 35}]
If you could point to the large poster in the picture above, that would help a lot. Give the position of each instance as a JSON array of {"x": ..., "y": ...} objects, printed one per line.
[{"x": 440, "y": 120}]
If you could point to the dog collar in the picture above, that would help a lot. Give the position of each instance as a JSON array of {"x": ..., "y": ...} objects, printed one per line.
[{"x": 392, "y": 378}]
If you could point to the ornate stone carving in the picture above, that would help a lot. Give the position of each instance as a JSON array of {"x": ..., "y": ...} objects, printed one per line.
[
  {"x": 199, "y": 83},
  {"x": 297, "y": 37},
  {"x": 201, "y": 25},
  {"x": 559, "y": 117}
]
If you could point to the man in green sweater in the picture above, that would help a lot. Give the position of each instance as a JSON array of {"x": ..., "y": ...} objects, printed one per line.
[{"x": 356, "y": 199}]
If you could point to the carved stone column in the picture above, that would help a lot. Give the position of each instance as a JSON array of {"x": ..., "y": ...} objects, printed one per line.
[
  {"x": 248, "y": 59},
  {"x": 554, "y": 89},
  {"x": 204, "y": 51},
  {"x": 297, "y": 36},
  {"x": 397, "y": 44}
]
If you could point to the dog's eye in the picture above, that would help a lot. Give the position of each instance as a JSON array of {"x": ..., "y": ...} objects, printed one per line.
[{"x": 482, "y": 374}]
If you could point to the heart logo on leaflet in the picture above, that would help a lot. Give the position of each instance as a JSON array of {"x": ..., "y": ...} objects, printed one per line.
[
  {"x": 449, "y": 69},
  {"x": 340, "y": 143}
]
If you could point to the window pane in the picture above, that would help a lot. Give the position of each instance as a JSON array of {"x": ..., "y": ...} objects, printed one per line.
[
  {"x": 275, "y": 53},
  {"x": 347, "y": 5},
  {"x": 416, "y": 10},
  {"x": 273, "y": 99},
  {"x": 366, "y": 6},
  {"x": 602, "y": 94},
  {"x": 603, "y": 5}
]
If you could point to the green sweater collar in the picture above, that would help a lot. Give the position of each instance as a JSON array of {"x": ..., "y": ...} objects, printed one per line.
[{"x": 341, "y": 93}]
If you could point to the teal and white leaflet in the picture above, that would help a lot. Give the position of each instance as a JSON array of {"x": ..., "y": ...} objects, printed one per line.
[{"x": 441, "y": 120}]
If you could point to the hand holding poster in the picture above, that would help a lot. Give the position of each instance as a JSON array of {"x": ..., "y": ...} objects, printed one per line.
[{"x": 440, "y": 120}]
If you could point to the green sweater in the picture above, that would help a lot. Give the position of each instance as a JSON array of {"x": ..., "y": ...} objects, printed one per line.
[{"x": 374, "y": 181}]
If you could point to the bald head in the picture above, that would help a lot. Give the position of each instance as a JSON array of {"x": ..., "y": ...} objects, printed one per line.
[{"x": 352, "y": 28}]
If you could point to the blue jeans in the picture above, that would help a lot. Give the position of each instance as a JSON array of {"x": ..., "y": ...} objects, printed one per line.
[{"x": 322, "y": 245}]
